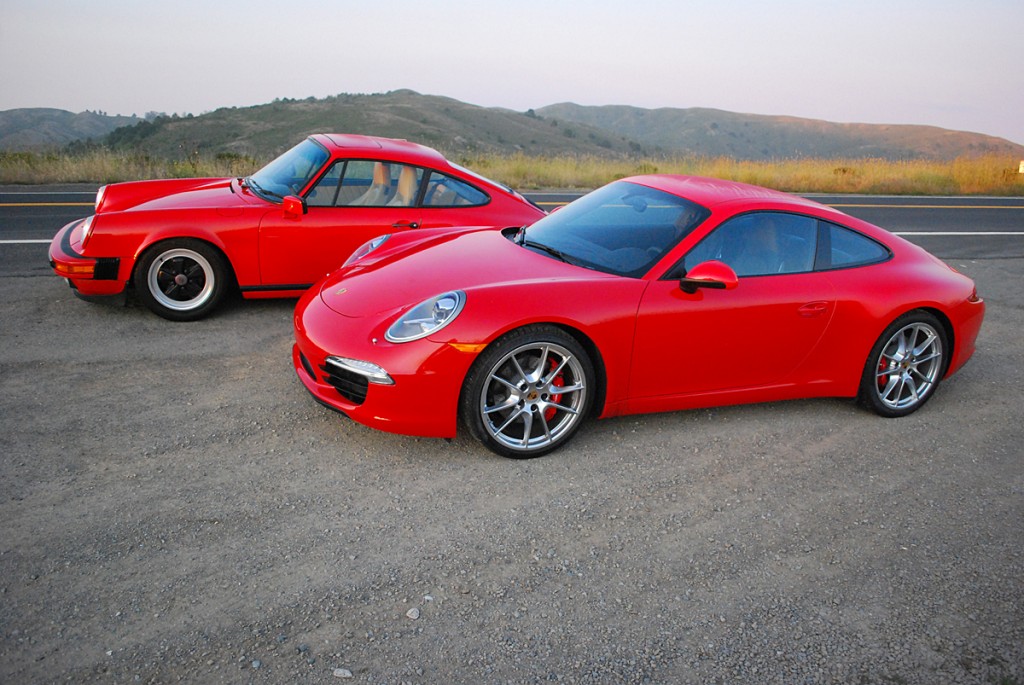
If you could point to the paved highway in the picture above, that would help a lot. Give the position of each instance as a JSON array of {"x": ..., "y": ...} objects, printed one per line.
[{"x": 950, "y": 227}]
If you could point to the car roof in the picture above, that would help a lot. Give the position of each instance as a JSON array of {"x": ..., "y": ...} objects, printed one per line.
[
  {"x": 713, "y": 192},
  {"x": 347, "y": 144}
]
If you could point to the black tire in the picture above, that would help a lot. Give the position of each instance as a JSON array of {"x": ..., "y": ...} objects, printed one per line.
[
  {"x": 529, "y": 392},
  {"x": 182, "y": 279},
  {"x": 905, "y": 365}
]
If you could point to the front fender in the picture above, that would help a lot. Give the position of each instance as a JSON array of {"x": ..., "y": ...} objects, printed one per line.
[{"x": 606, "y": 324}]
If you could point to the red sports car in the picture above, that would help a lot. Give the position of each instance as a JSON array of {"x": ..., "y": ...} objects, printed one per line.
[
  {"x": 653, "y": 293},
  {"x": 182, "y": 243}
]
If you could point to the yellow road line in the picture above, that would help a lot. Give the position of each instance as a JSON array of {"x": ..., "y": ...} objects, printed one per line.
[
  {"x": 930, "y": 206},
  {"x": 47, "y": 204},
  {"x": 869, "y": 206}
]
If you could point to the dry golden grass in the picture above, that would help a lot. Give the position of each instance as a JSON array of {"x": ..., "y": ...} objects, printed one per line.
[
  {"x": 989, "y": 175},
  {"x": 104, "y": 166},
  {"x": 964, "y": 176}
]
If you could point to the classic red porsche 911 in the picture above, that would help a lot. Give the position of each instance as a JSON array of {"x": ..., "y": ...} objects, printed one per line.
[
  {"x": 182, "y": 243},
  {"x": 653, "y": 293}
]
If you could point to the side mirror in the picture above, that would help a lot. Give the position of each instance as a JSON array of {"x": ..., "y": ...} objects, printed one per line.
[
  {"x": 294, "y": 207},
  {"x": 713, "y": 274}
]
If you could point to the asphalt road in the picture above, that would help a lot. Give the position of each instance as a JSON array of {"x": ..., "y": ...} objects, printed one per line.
[
  {"x": 174, "y": 507},
  {"x": 948, "y": 227}
]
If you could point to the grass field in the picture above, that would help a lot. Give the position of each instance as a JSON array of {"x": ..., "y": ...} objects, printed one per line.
[{"x": 986, "y": 175}]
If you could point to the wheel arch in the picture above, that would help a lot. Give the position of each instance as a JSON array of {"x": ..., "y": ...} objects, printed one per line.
[
  {"x": 947, "y": 328},
  {"x": 588, "y": 344},
  {"x": 597, "y": 359},
  {"x": 944, "y": 321},
  {"x": 163, "y": 239}
]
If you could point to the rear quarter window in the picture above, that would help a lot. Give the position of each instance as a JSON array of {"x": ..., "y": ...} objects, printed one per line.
[
  {"x": 448, "y": 191},
  {"x": 845, "y": 248}
]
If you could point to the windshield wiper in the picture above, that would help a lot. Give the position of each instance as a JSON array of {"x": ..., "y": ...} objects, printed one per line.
[
  {"x": 259, "y": 189},
  {"x": 557, "y": 254}
]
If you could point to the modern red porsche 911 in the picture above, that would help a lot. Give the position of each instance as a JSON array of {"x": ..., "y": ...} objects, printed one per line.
[
  {"x": 183, "y": 243},
  {"x": 653, "y": 293}
]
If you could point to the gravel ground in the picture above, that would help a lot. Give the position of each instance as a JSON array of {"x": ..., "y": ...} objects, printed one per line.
[{"x": 175, "y": 507}]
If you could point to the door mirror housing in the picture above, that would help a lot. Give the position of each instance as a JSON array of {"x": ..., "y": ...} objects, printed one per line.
[
  {"x": 294, "y": 207},
  {"x": 712, "y": 274}
]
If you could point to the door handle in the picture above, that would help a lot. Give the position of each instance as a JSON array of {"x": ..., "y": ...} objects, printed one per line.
[
  {"x": 813, "y": 309},
  {"x": 405, "y": 224}
]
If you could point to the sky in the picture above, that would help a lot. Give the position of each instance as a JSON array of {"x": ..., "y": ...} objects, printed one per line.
[{"x": 953, "y": 64}]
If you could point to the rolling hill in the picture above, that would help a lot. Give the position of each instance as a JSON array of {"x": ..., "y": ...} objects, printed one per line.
[
  {"x": 713, "y": 132},
  {"x": 443, "y": 123},
  {"x": 457, "y": 129},
  {"x": 42, "y": 128}
]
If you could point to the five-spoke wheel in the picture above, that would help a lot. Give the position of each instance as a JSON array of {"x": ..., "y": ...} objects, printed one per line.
[
  {"x": 905, "y": 365},
  {"x": 528, "y": 392}
]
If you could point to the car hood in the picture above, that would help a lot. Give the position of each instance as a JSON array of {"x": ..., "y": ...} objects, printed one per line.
[
  {"x": 455, "y": 261},
  {"x": 184, "y": 193}
]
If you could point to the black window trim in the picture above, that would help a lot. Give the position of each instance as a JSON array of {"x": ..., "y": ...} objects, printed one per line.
[
  {"x": 822, "y": 253},
  {"x": 421, "y": 192}
]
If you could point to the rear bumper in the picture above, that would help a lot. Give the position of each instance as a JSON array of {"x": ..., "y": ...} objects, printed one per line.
[{"x": 88, "y": 276}]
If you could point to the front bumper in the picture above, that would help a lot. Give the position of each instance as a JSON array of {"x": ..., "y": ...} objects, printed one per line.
[
  {"x": 86, "y": 275},
  {"x": 426, "y": 376}
]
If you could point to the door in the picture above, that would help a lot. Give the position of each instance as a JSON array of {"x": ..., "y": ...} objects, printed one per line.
[
  {"x": 356, "y": 200},
  {"x": 755, "y": 335}
]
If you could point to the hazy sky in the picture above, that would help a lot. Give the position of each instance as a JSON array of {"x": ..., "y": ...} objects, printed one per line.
[{"x": 956, "y": 64}]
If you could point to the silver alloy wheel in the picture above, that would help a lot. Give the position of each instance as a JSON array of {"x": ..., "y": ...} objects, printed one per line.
[
  {"x": 908, "y": 366},
  {"x": 181, "y": 280},
  {"x": 533, "y": 396}
]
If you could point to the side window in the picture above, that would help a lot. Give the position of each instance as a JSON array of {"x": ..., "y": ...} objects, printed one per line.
[
  {"x": 365, "y": 183},
  {"x": 760, "y": 243},
  {"x": 407, "y": 188},
  {"x": 325, "y": 192},
  {"x": 845, "y": 248},
  {"x": 447, "y": 191}
]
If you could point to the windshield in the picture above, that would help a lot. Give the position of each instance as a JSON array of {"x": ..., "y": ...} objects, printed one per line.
[
  {"x": 289, "y": 173},
  {"x": 622, "y": 228}
]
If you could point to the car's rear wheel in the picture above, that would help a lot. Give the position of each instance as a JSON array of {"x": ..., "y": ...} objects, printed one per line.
[
  {"x": 905, "y": 365},
  {"x": 529, "y": 392},
  {"x": 181, "y": 280}
]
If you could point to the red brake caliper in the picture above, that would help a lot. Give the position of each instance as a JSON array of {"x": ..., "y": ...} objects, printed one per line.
[
  {"x": 882, "y": 380},
  {"x": 558, "y": 381}
]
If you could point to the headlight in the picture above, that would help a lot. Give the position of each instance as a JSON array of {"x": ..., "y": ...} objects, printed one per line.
[
  {"x": 366, "y": 248},
  {"x": 427, "y": 317},
  {"x": 99, "y": 197},
  {"x": 86, "y": 229}
]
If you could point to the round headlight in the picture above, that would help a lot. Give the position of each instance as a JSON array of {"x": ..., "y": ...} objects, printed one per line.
[{"x": 427, "y": 317}]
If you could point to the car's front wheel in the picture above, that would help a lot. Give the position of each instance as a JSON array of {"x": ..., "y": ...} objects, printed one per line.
[
  {"x": 529, "y": 392},
  {"x": 905, "y": 365},
  {"x": 181, "y": 280}
]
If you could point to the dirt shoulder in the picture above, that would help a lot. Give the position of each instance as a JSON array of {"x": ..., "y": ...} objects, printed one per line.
[{"x": 176, "y": 507}]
